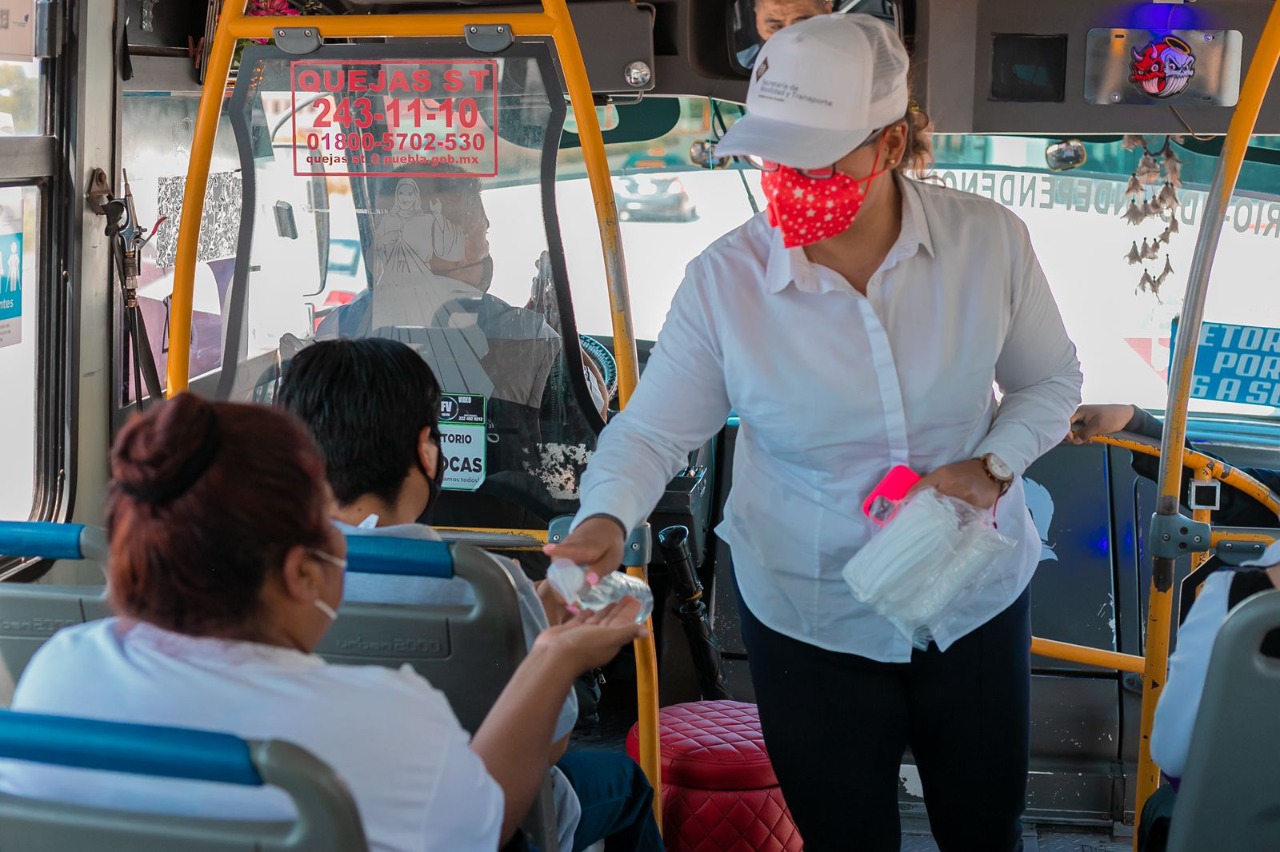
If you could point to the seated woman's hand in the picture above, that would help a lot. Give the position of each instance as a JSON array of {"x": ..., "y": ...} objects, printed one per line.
[
  {"x": 1089, "y": 421},
  {"x": 966, "y": 480},
  {"x": 591, "y": 639}
]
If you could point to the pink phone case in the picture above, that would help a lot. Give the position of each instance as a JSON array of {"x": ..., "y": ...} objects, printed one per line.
[{"x": 895, "y": 485}]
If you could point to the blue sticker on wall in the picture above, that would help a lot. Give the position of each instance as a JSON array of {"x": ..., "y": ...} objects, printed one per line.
[
  {"x": 1236, "y": 363},
  {"x": 10, "y": 289}
]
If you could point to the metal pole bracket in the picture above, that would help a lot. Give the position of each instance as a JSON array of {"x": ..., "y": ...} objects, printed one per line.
[
  {"x": 298, "y": 41},
  {"x": 487, "y": 38},
  {"x": 1177, "y": 535}
]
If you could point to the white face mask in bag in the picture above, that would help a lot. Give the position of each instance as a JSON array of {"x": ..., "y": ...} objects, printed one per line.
[{"x": 934, "y": 551}]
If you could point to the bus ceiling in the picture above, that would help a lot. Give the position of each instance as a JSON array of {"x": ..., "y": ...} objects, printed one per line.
[{"x": 1051, "y": 69}]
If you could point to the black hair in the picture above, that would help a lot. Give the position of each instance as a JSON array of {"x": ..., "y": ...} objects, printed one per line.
[{"x": 366, "y": 402}]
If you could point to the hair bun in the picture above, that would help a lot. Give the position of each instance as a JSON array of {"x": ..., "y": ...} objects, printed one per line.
[{"x": 162, "y": 453}]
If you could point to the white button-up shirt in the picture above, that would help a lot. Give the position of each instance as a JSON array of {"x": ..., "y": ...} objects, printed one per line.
[{"x": 834, "y": 388}]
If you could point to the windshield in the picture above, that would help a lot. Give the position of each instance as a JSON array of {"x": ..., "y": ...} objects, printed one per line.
[{"x": 1119, "y": 270}]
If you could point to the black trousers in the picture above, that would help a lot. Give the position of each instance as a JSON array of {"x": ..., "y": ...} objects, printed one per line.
[{"x": 837, "y": 725}]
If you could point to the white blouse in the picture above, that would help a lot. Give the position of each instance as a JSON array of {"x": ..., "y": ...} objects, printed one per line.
[{"x": 834, "y": 388}]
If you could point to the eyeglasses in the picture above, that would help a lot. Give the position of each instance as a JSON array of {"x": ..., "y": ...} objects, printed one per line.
[
  {"x": 824, "y": 173},
  {"x": 328, "y": 557}
]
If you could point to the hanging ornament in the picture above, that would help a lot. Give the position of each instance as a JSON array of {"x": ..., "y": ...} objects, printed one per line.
[
  {"x": 1168, "y": 197},
  {"x": 1148, "y": 171},
  {"x": 1173, "y": 172},
  {"x": 1134, "y": 188},
  {"x": 1134, "y": 215},
  {"x": 1164, "y": 237},
  {"x": 1133, "y": 142},
  {"x": 1166, "y": 272},
  {"x": 1173, "y": 225},
  {"x": 1133, "y": 256},
  {"x": 1151, "y": 252},
  {"x": 1147, "y": 284},
  {"x": 1151, "y": 207}
]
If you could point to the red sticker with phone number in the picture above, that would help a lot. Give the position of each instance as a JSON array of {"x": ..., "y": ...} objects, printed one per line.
[{"x": 411, "y": 118}]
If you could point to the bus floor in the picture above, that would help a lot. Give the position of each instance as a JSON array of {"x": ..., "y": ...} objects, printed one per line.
[{"x": 610, "y": 735}]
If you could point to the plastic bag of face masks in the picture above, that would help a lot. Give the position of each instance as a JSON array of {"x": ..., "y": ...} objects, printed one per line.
[{"x": 935, "y": 554}]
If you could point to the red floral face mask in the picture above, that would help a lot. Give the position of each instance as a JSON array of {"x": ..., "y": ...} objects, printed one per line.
[{"x": 808, "y": 210}]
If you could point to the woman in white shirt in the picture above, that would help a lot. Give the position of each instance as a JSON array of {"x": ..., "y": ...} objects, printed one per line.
[
  {"x": 226, "y": 573},
  {"x": 859, "y": 324}
]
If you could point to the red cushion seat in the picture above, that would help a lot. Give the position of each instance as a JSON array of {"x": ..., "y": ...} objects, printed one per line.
[{"x": 719, "y": 792}]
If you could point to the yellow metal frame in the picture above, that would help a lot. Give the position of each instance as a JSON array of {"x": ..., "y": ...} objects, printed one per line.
[
  {"x": 1206, "y": 467},
  {"x": 554, "y": 22},
  {"x": 1155, "y": 661}
]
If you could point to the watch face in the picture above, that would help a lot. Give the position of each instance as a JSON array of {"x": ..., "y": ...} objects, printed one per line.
[{"x": 999, "y": 469}]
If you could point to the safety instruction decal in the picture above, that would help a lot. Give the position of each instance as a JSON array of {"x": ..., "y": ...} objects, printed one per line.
[
  {"x": 408, "y": 118},
  {"x": 464, "y": 438},
  {"x": 1237, "y": 363},
  {"x": 10, "y": 274}
]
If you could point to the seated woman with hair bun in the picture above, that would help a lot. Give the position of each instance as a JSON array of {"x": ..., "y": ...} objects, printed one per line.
[{"x": 225, "y": 573}]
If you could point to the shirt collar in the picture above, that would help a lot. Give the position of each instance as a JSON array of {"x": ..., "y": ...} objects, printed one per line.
[{"x": 786, "y": 266}]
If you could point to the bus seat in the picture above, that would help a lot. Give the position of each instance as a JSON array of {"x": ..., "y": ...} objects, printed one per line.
[
  {"x": 467, "y": 652},
  {"x": 1233, "y": 765},
  {"x": 328, "y": 820}
]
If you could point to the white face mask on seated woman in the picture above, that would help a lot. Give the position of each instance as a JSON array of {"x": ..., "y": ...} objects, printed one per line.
[{"x": 342, "y": 566}]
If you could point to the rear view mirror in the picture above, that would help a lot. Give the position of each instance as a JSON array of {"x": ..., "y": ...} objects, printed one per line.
[
  {"x": 702, "y": 153},
  {"x": 606, "y": 114},
  {"x": 1065, "y": 155}
]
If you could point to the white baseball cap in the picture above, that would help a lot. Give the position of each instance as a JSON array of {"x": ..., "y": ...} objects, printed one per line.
[{"x": 819, "y": 89}]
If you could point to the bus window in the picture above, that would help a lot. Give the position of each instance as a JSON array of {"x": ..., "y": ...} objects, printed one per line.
[
  {"x": 1121, "y": 327},
  {"x": 19, "y": 341},
  {"x": 156, "y": 149},
  {"x": 20, "y": 101},
  {"x": 669, "y": 211}
]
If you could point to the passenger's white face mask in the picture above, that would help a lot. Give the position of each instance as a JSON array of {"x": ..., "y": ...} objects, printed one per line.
[{"x": 329, "y": 611}]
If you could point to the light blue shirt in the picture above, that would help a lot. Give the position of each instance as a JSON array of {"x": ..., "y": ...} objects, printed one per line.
[{"x": 834, "y": 388}]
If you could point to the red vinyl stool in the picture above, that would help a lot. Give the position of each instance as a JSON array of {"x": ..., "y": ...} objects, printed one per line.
[{"x": 719, "y": 793}]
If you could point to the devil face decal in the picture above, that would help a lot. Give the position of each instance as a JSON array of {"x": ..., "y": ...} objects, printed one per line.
[{"x": 1163, "y": 68}]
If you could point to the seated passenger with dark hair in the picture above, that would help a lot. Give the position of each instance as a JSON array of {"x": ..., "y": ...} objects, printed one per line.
[
  {"x": 226, "y": 572},
  {"x": 372, "y": 405},
  {"x": 1221, "y": 592}
]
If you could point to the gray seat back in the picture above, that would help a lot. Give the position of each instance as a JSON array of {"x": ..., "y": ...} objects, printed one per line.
[
  {"x": 1233, "y": 767},
  {"x": 328, "y": 820},
  {"x": 467, "y": 652}
]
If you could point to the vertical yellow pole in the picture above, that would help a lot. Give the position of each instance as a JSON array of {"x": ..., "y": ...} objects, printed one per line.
[
  {"x": 1261, "y": 68},
  {"x": 184, "y": 267},
  {"x": 624, "y": 346}
]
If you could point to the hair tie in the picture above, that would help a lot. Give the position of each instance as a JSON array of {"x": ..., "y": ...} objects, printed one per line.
[{"x": 196, "y": 465}]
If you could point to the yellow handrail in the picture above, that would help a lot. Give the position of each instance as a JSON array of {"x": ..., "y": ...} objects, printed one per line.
[
  {"x": 1206, "y": 467},
  {"x": 554, "y": 21}
]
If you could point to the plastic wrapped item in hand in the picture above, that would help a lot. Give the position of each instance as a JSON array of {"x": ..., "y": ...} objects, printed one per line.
[
  {"x": 570, "y": 582},
  {"x": 932, "y": 555}
]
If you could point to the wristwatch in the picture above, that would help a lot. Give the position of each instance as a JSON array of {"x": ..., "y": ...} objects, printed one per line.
[{"x": 999, "y": 472}]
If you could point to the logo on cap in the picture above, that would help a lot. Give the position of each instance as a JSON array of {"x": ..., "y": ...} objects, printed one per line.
[
  {"x": 762, "y": 68},
  {"x": 1163, "y": 68}
]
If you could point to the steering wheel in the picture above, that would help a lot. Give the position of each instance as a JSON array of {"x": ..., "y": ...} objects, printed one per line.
[{"x": 603, "y": 359}]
